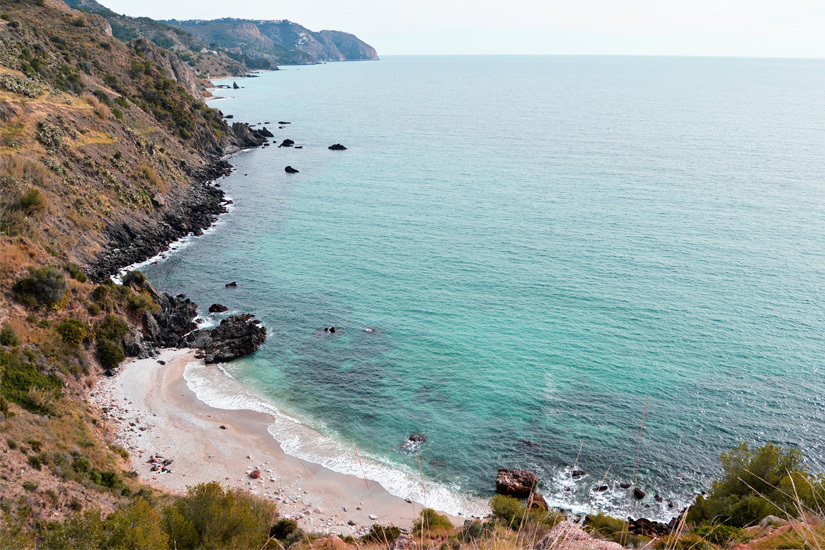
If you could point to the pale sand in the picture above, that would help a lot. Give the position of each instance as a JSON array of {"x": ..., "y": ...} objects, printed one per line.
[{"x": 156, "y": 413}]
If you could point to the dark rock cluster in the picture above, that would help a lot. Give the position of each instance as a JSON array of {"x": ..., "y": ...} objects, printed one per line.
[
  {"x": 516, "y": 483},
  {"x": 235, "y": 337}
]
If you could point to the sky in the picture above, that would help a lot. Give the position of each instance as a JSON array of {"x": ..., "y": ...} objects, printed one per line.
[{"x": 749, "y": 28}]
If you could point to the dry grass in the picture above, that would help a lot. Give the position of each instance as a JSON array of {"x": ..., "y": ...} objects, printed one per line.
[{"x": 101, "y": 109}]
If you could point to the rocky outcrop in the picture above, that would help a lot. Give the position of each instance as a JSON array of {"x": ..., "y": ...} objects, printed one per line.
[
  {"x": 350, "y": 46},
  {"x": 217, "y": 308},
  {"x": 538, "y": 502},
  {"x": 245, "y": 136},
  {"x": 646, "y": 528},
  {"x": 235, "y": 337},
  {"x": 175, "y": 69},
  {"x": 173, "y": 319},
  {"x": 516, "y": 483},
  {"x": 567, "y": 536}
]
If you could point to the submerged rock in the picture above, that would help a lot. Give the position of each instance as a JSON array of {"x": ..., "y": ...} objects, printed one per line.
[
  {"x": 235, "y": 337},
  {"x": 516, "y": 483}
]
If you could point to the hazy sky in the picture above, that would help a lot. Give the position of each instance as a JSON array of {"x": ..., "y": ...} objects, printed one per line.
[{"x": 786, "y": 28}]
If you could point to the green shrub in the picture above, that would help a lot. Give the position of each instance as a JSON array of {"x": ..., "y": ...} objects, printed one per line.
[
  {"x": 30, "y": 486},
  {"x": 32, "y": 201},
  {"x": 93, "y": 309},
  {"x": 86, "y": 531},
  {"x": 72, "y": 331},
  {"x": 477, "y": 530},
  {"x": 430, "y": 520},
  {"x": 75, "y": 272},
  {"x": 26, "y": 386},
  {"x": 100, "y": 293},
  {"x": 755, "y": 484},
  {"x": 136, "y": 526},
  {"x": 142, "y": 302},
  {"x": 382, "y": 534},
  {"x": 282, "y": 528},
  {"x": 507, "y": 510},
  {"x": 134, "y": 278},
  {"x": 44, "y": 285},
  {"x": 213, "y": 517},
  {"x": 111, "y": 327},
  {"x": 718, "y": 534},
  {"x": 109, "y": 353},
  {"x": 8, "y": 337}
]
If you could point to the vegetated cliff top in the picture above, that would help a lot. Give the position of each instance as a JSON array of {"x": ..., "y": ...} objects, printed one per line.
[
  {"x": 206, "y": 62},
  {"x": 279, "y": 41}
]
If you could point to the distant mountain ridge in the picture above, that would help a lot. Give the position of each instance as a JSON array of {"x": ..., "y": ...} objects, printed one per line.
[
  {"x": 233, "y": 47},
  {"x": 278, "y": 41}
]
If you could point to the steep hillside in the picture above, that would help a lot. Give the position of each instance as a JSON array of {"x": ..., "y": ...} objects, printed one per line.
[
  {"x": 105, "y": 156},
  {"x": 281, "y": 42},
  {"x": 206, "y": 62}
]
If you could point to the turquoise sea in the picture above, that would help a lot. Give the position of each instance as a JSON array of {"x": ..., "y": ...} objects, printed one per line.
[{"x": 517, "y": 253}]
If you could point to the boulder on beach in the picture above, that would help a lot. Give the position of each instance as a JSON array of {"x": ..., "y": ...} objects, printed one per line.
[
  {"x": 255, "y": 474},
  {"x": 337, "y": 147},
  {"x": 235, "y": 337},
  {"x": 516, "y": 483},
  {"x": 217, "y": 308},
  {"x": 291, "y": 170}
]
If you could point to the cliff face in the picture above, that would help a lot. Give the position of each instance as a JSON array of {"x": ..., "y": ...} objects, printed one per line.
[
  {"x": 204, "y": 61},
  {"x": 171, "y": 65},
  {"x": 281, "y": 42}
]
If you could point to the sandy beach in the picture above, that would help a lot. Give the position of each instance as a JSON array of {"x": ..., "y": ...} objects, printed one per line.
[{"x": 154, "y": 413}]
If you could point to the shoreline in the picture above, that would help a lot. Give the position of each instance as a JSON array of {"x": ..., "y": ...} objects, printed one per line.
[{"x": 153, "y": 412}]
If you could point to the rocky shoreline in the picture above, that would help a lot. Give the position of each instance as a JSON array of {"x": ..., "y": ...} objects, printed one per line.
[{"x": 188, "y": 215}]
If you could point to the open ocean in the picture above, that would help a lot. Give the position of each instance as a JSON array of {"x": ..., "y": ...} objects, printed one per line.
[{"x": 537, "y": 245}]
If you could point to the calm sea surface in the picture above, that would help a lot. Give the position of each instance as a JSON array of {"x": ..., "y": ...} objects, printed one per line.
[{"x": 517, "y": 253}]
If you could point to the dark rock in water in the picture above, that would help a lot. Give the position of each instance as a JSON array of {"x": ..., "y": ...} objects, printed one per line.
[
  {"x": 645, "y": 528},
  {"x": 287, "y": 143},
  {"x": 576, "y": 474},
  {"x": 299, "y": 147},
  {"x": 280, "y": 127},
  {"x": 638, "y": 493},
  {"x": 332, "y": 330},
  {"x": 235, "y": 86},
  {"x": 233, "y": 284},
  {"x": 414, "y": 442},
  {"x": 658, "y": 498},
  {"x": 437, "y": 463},
  {"x": 516, "y": 483},
  {"x": 161, "y": 362},
  {"x": 217, "y": 308},
  {"x": 624, "y": 485},
  {"x": 266, "y": 133},
  {"x": 538, "y": 502},
  {"x": 223, "y": 427},
  {"x": 267, "y": 122},
  {"x": 180, "y": 296},
  {"x": 291, "y": 170},
  {"x": 229, "y": 116},
  {"x": 283, "y": 122},
  {"x": 235, "y": 337},
  {"x": 670, "y": 503},
  {"x": 337, "y": 147},
  {"x": 600, "y": 488}
]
